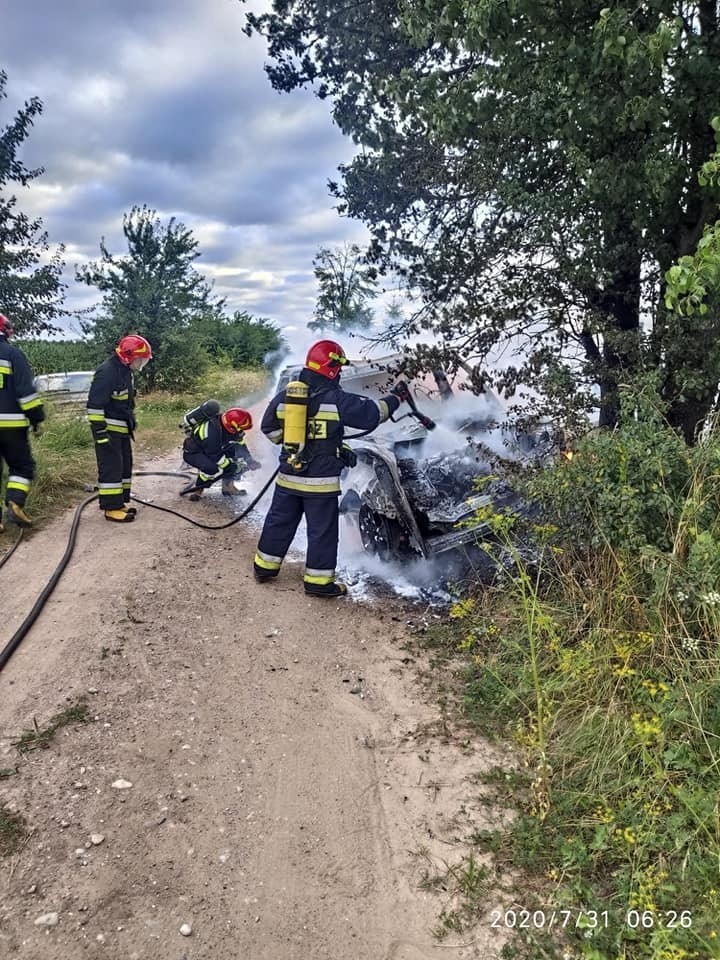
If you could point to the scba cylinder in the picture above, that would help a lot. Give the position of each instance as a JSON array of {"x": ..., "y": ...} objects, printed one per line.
[
  {"x": 295, "y": 421},
  {"x": 206, "y": 411}
]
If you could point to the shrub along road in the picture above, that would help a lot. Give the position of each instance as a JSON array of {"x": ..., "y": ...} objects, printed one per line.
[{"x": 280, "y": 807}]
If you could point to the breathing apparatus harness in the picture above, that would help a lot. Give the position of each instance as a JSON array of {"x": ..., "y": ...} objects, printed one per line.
[
  {"x": 194, "y": 418},
  {"x": 295, "y": 424}
]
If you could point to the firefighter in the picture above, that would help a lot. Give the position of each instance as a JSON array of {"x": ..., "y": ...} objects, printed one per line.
[
  {"x": 308, "y": 480},
  {"x": 110, "y": 411},
  {"x": 20, "y": 408},
  {"x": 218, "y": 450}
]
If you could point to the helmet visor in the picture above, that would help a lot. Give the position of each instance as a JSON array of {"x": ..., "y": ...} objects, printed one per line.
[{"x": 138, "y": 363}]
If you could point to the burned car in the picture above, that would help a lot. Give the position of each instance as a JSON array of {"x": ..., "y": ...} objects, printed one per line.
[
  {"x": 409, "y": 508},
  {"x": 414, "y": 495}
]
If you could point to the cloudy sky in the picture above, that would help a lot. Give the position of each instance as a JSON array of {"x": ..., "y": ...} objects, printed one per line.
[{"x": 166, "y": 103}]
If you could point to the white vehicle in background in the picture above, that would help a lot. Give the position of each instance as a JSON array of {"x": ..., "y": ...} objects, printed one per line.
[{"x": 65, "y": 389}]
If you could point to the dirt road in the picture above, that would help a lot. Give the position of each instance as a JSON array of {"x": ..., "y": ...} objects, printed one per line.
[{"x": 287, "y": 788}]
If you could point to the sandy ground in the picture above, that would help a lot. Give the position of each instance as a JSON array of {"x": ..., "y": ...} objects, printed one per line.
[{"x": 291, "y": 779}]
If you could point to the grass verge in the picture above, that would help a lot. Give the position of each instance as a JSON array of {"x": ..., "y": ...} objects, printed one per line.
[{"x": 616, "y": 713}]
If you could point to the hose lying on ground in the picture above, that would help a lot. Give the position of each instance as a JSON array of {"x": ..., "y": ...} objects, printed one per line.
[
  {"x": 4, "y": 559},
  {"x": 19, "y": 634},
  {"x": 196, "y": 523},
  {"x": 17, "y": 637}
]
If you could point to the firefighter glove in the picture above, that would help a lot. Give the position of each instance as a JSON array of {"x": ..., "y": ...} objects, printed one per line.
[
  {"x": 37, "y": 429},
  {"x": 254, "y": 465},
  {"x": 347, "y": 456},
  {"x": 401, "y": 391}
]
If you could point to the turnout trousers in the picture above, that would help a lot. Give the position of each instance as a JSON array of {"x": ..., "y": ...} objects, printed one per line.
[
  {"x": 207, "y": 468},
  {"x": 15, "y": 451},
  {"x": 114, "y": 462},
  {"x": 281, "y": 523}
]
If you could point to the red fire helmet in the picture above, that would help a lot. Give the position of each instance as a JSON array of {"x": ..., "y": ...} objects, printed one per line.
[
  {"x": 236, "y": 420},
  {"x": 6, "y": 328},
  {"x": 133, "y": 347},
  {"x": 326, "y": 357}
]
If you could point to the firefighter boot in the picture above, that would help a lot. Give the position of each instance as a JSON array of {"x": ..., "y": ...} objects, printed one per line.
[
  {"x": 119, "y": 516},
  {"x": 197, "y": 494},
  {"x": 262, "y": 575},
  {"x": 16, "y": 514},
  {"x": 230, "y": 490},
  {"x": 126, "y": 507},
  {"x": 331, "y": 590}
]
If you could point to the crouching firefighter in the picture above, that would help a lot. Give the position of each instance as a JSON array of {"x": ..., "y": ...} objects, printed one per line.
[
  {"x": 215, "y": 446},
  {"x": 110, "y": 411},
  {"x": 309, "y": 418}
]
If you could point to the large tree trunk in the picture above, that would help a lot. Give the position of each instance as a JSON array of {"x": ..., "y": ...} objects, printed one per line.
[{"x": 620, "y": 304}]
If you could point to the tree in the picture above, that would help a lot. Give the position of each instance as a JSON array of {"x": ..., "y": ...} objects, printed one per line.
[
  {"x": 240, "y": 340},
  {"x": 530, "y": 168},
  {"x": 346, "y": 284},
  {"x": 696, "y": 277},
  {"x": 155, "y": 291},
  {"x": 692, "y": 297},
  {"x": 31, "y": 290}
]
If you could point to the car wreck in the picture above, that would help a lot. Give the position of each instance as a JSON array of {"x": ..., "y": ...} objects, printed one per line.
[{"x": 409, "y": 508}]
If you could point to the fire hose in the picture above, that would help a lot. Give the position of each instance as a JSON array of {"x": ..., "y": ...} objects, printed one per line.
[{"x": 403, "y": 392}]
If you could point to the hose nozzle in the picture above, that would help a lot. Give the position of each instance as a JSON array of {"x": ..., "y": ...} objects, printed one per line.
[{"x": 426, "y": 421}]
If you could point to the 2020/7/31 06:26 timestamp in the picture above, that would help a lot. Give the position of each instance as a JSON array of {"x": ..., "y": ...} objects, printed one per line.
[{"x": 589, "y": 919}]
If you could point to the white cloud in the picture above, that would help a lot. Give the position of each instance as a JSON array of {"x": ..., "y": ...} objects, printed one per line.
[{"x": 167, "y": 104}]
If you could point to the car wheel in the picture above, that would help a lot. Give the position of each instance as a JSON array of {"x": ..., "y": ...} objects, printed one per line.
[{"x": 380, "y": 535}]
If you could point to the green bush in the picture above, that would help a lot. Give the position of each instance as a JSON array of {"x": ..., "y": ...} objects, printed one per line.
[
  {"x": 624, "y": 488},
  {"x": 179, "y": 364},
  {"x": 600, "y": 660},
  {"x": 241, "y": 340}
]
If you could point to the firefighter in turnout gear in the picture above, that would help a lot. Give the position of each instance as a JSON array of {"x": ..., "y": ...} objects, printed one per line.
[
  {"x": 216, "y": 447},
  {"x": 311, "y": 462},
  {"x": 110, "y": 411},
  {"x": 20, "y": 408}
]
